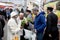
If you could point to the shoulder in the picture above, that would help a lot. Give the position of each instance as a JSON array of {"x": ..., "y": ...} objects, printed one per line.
[
  {"x": 49, "y": 15},
  {"x": 11, "y": 21},
  {"x": 41, "y": 15}
]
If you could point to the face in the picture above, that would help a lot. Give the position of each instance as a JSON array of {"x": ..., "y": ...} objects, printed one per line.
[
  {"x": 35, "y": 12},
  {"x": 48, "y": 11},
  {"x": 27, "y": 13},
  {"x": 21, "y": 16}
]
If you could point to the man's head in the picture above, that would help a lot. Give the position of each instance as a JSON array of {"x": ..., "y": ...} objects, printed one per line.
[
  {"x": 14, "y": 15},
  {"x": 49, "y": 9},
  {"x": 35, "y": 10},
  {"x": 21, "y": 16},
  {"x": 28, "y": 12}
]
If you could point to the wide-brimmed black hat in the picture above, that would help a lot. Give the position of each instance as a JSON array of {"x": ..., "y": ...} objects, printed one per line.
[
  {"x": 50, "y": 8},
  {"x": 28, "y": 11}
]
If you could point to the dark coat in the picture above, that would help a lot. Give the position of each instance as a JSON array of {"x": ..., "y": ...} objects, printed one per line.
[
  {"x": 2, "y": 23},
  {"x": 52, "y": 21},
  {"x": 51, "y": 28},
  {"x": 3, "y": 13}
]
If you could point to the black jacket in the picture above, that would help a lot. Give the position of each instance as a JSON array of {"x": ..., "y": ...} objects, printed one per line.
[
  {"x": 2, "y": 23},
  {"x": 4, "y": 14},
  {"x": 51, "y": 28},
  {"x": 52, "y": 21}
]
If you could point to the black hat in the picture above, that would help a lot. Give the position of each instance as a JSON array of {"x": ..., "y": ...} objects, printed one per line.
[
  {"x": 28, "y": 11},
  {"x": 50, "y": 8}
]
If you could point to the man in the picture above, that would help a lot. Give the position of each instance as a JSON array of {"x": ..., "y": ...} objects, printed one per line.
[
  {"x": 25, "y": 33},
  {"x": 29, "y": 16},
  {"x": 20, "y": 19},
  {"x": 12, "y": 27},
  {"x": 39, "y": 23},
  {"x": 22, "y": 32},
  {"x": 51, "y": 32},
  {"x": 30, "y": 26},
  {"x": 28, "y": 12},
  {"x": 2, "y": 24}
]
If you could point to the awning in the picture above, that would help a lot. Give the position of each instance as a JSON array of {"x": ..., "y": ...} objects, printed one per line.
[{"x": 1, "y": 6}]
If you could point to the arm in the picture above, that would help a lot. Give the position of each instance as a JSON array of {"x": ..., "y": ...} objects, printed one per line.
[{"x": 13, "y": 28}]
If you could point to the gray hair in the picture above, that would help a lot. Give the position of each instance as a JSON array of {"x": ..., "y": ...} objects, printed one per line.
[{"x": 35, "y": 8}]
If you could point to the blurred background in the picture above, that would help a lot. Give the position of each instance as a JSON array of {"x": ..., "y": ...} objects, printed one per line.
[{"x": 30, "y": 4}]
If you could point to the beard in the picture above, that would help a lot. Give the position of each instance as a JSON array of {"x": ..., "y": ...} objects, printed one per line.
[{"x": 21, "y": 18}]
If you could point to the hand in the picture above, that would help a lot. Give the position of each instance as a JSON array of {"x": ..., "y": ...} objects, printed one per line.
[
  {"x": 50, "y": 35},
  {"x": 34, "y": 31},
  {"x": 26, "y": 23}
]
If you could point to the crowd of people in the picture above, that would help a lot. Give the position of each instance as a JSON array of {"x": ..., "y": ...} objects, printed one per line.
[{"x": 32, "y": 25}]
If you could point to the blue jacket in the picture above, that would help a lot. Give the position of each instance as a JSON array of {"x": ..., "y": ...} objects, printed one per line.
[{"x": 39, "y": 22}]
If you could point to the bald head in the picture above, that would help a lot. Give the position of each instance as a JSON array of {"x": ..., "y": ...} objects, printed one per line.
[{"x": 21, "y": 15}]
